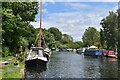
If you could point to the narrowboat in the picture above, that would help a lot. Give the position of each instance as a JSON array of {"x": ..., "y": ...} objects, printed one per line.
[
  {"x": 93, "y": 52},
  {"x": 105, "y": 53},
  {"x": 118, "y": 54},
  {"x": 111, "y": 54}
]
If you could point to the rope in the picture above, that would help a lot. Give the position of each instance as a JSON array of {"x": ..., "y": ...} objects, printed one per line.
[
  {"x": 36, "y": 39},
  {"x": 44, "y": 41}
]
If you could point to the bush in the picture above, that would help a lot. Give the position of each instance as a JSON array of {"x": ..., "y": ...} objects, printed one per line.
[{"x": 5, "y": 52}]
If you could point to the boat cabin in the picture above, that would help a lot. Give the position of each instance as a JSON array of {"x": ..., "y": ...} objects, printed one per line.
[
  {"x": 93, "y": 52},
  {"x": 119, "y": 54},
  {"x": 111, "y": 52},
  {"x": 35, "y": 52}
]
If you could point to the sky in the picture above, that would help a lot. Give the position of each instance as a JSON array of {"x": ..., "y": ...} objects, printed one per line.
[{"x": 74, "y": 17}]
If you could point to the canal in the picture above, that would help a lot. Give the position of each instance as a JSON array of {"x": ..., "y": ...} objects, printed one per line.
[{"x": 73, "y": 65}]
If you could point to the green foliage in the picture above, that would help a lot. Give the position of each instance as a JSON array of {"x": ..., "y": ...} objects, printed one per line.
[
  {"x": 66, "y": 39},
  {"x": 5, "y": 52},
  {"x": 67, "y": 42},
  {"x": 110, "y": 30},
  {"x": 57, "y": 34},
  {"x": 75, "y": 45},
  {"x": 79, "y": 44},
  {"x": 5, "y": 58},
  {"x": 49, "y": 38},
  {"x": 0, "y": 39},
  {"x": 118, "y": 34},
  {"x": 58, "y": 44},
  {"x": 17, "y": 31},
  {"x": 26, "y": 11},
  {"x": 72, "y": 45},
  {"x": 91, "y": 37},
  {"x": 16, "y": 28},
  {"x": 102, "y": 38}
]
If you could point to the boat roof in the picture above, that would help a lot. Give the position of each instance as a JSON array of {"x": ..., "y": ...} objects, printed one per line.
[
  {"x": 93, "y": 47},
  {"x": 37, "y": 48}
]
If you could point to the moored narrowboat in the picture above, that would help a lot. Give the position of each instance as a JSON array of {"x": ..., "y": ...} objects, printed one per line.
[
  {"x": 93, "y": 52},
  {"x": 118, "y": 54},
  {"x": 111, "y": 54},
  {"x": 105, "y": 53}
]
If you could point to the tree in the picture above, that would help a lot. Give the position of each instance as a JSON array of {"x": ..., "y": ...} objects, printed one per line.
[
  {"x": 66, "y": 39},
  {"x": 16, "y": 28},
  {"x": 102, "y": 39},
  {"x": 91, "y": 37},
  {"x": 75, "y": 45},
  {"x": 118, "y": 34},
  {"x": 80, "y": 44},
  {"x": 26, "y": 11},
  {"x": 57, "y": 34},
  {"x": 110, "y": 30},
  {"x": 48, "y": 39}
]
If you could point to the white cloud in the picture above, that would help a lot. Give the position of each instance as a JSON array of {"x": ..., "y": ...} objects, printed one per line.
[
  {"x": 75, "y": 23},
  {"x": 77, "y": 5},
  {"x": 45, "y": 11},
  {"x": 35, "y": 24},
  {"x": 70, "y": 23}
]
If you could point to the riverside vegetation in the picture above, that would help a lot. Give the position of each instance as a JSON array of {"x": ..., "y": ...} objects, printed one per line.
[{"x": 17, "y": 31}]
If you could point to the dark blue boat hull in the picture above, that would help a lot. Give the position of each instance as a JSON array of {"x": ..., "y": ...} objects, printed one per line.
[
  {"x": 92, "y": 52},
  {"x": 36, "y": 64}
]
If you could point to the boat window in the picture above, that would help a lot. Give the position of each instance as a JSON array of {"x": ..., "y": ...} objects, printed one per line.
[
  {"x": 40, "y": 53},
  {"x": 34, "y": 53}
]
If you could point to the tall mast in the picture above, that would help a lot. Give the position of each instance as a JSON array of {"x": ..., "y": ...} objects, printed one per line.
[{"x": 40, "y": 23}]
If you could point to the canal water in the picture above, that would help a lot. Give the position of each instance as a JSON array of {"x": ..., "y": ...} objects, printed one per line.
[{"x": 73, "y": 65}]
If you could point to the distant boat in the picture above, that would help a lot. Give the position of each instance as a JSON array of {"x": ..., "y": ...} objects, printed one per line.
[
  {"x": 81, "y": 50},
  {"x": 105, "y": 53},
  {"x": 69, "y": 50},
  {"x": 118, "y": 54},
  {"x": 111, "y": 54},
  {"x": 92, "y": 47},
  {"x": 53, "y": 49},
  {"x": 93, "y": 52},
  {"x": 63, "y": 49}
]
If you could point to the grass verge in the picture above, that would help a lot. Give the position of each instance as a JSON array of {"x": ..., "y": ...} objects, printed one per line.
[{"x": 11, "y": 70}]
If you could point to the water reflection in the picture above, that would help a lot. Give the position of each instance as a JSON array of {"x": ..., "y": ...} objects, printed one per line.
[
  {"x": 119, "y": 68},
  {"x": 72, "y": 65},
  {"x": 91, "y": 67},
  {"x": 108, "y": 68}
]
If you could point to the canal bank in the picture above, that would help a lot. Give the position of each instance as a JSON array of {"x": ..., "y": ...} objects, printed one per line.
[
  {"x": 10, "y": 70},
  {"x": 72, "y": 65}
]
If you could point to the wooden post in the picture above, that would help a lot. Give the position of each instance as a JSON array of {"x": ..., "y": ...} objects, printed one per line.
[{"x": 40, "y": 23}]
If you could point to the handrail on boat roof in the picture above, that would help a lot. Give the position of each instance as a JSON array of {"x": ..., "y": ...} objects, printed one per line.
[{"x": 37, "y": 48}]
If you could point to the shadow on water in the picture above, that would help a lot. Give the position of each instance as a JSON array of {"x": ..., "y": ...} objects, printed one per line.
[{"x": 34, "y": 72}]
